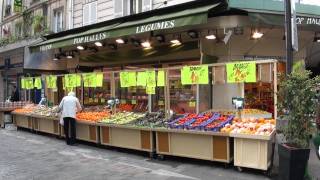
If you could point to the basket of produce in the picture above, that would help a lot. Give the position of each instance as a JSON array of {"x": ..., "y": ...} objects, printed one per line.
[
  {"x": 201, "y": 121},
  {"x": 219, "y": 123},
  {"x": 180, "y": 122}
]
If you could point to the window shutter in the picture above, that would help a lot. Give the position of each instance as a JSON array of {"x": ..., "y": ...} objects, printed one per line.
[
  {"x": 93, "y": 13},
  {"x": 86, "y": 14},
  {"x": 118, "y": 8},
  {"x": 146, "y": 5}
]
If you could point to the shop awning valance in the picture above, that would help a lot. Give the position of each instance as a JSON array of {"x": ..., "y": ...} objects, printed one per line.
[
  {"x": 303, "y": 21},
  {"x": 186, "y": 17}
]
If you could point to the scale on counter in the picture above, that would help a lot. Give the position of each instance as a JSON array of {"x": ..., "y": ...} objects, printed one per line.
[
  {"x": 112, "y": 103},
  {"x": 238, "y": 103}
]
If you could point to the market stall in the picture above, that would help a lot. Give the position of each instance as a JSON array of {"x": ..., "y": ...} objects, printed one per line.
[{"x": 177, "y": 111}]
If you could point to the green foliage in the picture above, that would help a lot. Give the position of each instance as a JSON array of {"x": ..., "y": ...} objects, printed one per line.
[
  {"x": 38, "y": 23},
  {"x": 297, "y": 104}
]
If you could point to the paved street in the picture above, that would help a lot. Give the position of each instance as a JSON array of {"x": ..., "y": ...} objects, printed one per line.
[{"x": 28, "y": 156}]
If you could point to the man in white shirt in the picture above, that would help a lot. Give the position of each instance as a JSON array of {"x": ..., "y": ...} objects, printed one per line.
[{"x": 69, "y": 106}]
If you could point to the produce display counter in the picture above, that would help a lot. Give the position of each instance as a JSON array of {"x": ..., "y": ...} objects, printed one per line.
[
  {"x": 22, "y": 120},
  {"x": 2, "y": 115},
  {"x": 85, "y": 131},
  {"x": 212, "y": 146},
  {"x": 253, "y": 151},
  {"x": 44, "y": 124},
  {"x": 136, "y": 138}
]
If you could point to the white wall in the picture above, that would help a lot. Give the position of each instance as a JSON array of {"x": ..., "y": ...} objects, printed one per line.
[{"x": 106, "y": 9}]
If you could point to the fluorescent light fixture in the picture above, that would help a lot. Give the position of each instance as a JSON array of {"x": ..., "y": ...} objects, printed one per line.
[
  {"x": 69, "y": 55},
  {"x": 113, "y": 46},
  {"x": 211, "y": 37},
  {"x": 160, "y": 38},
  {"x": 98, "y": 44},
  {"x": 120, "y": 41},
  {"x": 80, "y": 47},
  {"x": 56, "y": 57},
  {"x": 193, "y": 34},
  {"x": 176, "y": 41},
  {"x": 146, "y": 44},
  {"x": 257, "y": 35}
]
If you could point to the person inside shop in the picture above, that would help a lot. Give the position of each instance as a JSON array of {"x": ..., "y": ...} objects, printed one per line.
[
  {"x": 15, "y": 94},
  {"x": 69, "y": 106}
]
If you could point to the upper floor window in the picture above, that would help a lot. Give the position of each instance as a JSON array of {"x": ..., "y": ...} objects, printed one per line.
[
  {"x": 128, "y": 7},
  {"x": 90, "y": 13},
  {"x": 8, "y": 8},
  {"x": 57, "y": 20}
]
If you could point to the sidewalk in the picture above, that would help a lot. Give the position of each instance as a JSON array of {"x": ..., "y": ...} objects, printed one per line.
[{"x": 24, "y": 155}]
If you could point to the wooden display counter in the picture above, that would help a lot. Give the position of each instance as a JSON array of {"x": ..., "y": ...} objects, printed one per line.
[
  {"x": 85, "y": 131},
  {"x": 22, "y": 120},
  {"x": 44, "y": 124},
  {"x": 2, "y": 115},
  {"x": 1, "y": 119},
  {"x": 253, "y": 151},
  {"x": 127, "y": 137},
  {"x": 212, "y": 146}
]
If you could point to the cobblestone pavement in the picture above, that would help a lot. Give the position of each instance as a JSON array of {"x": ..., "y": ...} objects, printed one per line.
[{"x": 24, "y": 155}]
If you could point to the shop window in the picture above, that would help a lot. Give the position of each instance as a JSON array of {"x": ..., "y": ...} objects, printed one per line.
[
  {"x": 90, "y": 13},
  {"x": 57, "y": 20},
  {"x": 129, "y": 7}
]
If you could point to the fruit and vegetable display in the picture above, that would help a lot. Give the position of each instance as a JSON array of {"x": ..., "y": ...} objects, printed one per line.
[
  {"x": 210, "y": 121},
  {"x": 27, "y": 109},
  {"x": 46, "y": 111},
  {"x": 122, "y": 118},
  {"x": 253, "y": 126},
  {"x": 156, "y": 119},
  {"x": 92, "y": 116},
  {"x": 139, "y": 107}
]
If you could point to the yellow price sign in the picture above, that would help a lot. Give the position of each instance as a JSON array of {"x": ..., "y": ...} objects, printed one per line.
[
  {"x": 151, "y": 78},
  {"x": 141, "y": 79},
  {"x": 241, "y": 72},
  {"x": 161, "y": 79},
  {"x": 192, "y": 103},
  {"x": 37, "y": 82},
  {"x": 133, "y": 101},
  {"x": 195, "y": 75},
  {"x": 151, "y": 90},
  {"x": 160, "y": 103}
]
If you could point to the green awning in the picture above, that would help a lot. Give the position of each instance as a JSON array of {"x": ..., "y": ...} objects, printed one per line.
[
  {"x": 187, "y": 17},
  {"x": 303, "y": 21}
]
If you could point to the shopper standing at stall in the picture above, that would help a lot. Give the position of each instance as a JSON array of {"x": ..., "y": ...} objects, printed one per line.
[
  {"x": 69, "y": 106},
  {"x": 15, "y": 94}
]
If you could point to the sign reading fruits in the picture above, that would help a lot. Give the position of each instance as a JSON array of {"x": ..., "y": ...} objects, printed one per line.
[
  {"x": 241, "y": 72},
  {"x": 195, "y": 75}
]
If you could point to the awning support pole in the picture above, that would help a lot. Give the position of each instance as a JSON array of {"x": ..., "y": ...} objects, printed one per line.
[{"x": 288, "y": 28}]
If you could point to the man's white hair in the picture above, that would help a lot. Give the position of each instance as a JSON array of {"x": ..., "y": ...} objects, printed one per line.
[{"x": 72, "y": 94}]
